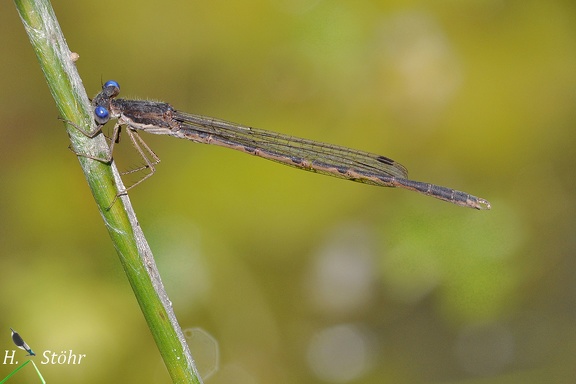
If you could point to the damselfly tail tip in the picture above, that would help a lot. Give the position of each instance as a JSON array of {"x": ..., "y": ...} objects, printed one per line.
[{"x": 483, "y": 204}]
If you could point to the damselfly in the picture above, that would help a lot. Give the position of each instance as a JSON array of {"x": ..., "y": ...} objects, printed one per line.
[
  {"x": 20, "y": 343},
  {"x": 328, "y": 159}
]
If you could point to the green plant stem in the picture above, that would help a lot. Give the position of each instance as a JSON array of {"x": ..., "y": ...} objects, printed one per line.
[{"x": 66, "y": 87}]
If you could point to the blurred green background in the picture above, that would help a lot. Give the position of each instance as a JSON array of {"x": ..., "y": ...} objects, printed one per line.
[{"x": 303, "y": 278}]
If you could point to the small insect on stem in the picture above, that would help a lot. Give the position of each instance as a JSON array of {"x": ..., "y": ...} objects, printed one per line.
[
  {"x": 328, "y": 159},
  {"x": 20, "y": 343}
]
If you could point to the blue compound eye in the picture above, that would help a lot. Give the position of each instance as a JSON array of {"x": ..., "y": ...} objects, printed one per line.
[
  {"x": 111, "y": 83},
  {"x": 101, "y": 112},
  {"x": 101, "y": 115}
]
